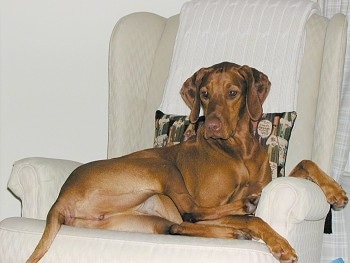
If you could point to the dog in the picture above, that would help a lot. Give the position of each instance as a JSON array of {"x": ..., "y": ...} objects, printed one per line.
[{"x": 213, "y": 180}]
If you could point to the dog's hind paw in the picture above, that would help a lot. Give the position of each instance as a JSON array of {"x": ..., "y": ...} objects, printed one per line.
[
  {"x": 338, "y": 201},
  {"x": 189, "y": 217},
  {"x": 250, "y": 203},
  {"x": 336, "y": 196}
]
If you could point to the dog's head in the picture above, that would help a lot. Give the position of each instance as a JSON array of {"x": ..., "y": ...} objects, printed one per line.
[{"x": 228, "y": 93}]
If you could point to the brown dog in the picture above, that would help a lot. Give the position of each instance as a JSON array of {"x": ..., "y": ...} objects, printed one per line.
[{"x": 215, "y": 177}]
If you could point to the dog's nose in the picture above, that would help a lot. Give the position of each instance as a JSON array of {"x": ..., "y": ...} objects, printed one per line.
[{"x": 213, "y": 126}]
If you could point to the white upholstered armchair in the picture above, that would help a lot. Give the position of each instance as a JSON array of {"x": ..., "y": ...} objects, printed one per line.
[{"x": 141, "y": 50}]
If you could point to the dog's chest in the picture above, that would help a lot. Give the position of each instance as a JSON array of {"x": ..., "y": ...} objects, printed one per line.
[{"x": 217, "y": 182}]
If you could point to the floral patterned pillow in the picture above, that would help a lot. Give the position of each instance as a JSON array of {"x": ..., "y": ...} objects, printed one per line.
[{"x": 273, "y": 131}]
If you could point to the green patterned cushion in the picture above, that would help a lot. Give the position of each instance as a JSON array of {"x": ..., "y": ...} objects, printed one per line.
[{"x": 273, "y": 131}]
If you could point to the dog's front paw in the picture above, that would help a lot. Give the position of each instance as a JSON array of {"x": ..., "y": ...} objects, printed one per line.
[{"x": 281, "y": 250}]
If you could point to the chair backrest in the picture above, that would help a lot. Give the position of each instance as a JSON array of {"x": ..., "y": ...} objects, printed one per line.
[{"x": 139, "y": 61}]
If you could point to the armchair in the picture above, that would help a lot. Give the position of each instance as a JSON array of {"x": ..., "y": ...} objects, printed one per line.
[{"x": 140, "y": 55}]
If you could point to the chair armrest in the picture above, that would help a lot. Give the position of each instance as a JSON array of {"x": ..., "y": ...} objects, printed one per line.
[
  {"x": 37, "y": 182},
  {"x": 296, "y": 208},
  {"x": 292, "y": 199}
]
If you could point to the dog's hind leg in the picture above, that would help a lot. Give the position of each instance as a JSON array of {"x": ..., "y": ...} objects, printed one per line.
[
  {"x": 142, "y": 223},
  {"x": 335, "y": 194},
  {"x": 121, "y": 222}
]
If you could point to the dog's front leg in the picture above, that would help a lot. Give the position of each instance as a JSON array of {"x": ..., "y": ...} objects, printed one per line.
[
  {"x": 240, "y": 227},
  {"x": 245, "y": 206}
]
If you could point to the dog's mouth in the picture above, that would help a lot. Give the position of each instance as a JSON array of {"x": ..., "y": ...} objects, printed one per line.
[
  {"x": 217, "y": 138},
  {"x": 216, "y": 135}
]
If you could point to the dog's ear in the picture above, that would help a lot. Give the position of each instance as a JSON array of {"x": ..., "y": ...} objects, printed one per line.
[
  {"x": 258, "y": 87},
  {"x": 190, "y": 93}
]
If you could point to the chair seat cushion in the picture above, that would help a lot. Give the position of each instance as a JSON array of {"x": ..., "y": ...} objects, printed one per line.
[{"x": 92, "y": 245}]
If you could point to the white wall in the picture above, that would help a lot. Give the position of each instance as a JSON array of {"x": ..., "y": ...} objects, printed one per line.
[{"x": 53, "y": 79}]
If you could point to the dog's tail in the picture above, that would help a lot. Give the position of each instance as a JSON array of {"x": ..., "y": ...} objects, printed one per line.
[{"x": 54, "y": 221}]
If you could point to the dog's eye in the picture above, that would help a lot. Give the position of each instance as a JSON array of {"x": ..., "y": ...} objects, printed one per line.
[{"x": 232, "y": 93}]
